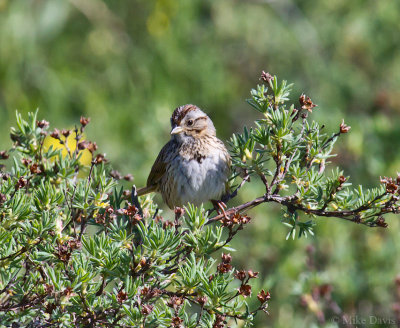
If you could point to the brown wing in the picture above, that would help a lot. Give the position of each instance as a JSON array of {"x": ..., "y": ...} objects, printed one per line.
[
  {"x": 158, "y": 169},
  {"x": 160, "y": 164}
]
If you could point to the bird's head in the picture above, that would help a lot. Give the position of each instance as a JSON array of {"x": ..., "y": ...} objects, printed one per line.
[{"x": 191, "y": 121}]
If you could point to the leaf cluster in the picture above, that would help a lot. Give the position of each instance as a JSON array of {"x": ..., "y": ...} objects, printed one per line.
[{"x": 289, "y": 154}]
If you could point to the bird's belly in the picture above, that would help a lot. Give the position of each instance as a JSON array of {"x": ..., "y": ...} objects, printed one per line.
[{"x": 200, "y": 181}]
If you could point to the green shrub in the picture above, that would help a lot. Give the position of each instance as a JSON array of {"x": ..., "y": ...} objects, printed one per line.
[{"x": 78, "y": 250}]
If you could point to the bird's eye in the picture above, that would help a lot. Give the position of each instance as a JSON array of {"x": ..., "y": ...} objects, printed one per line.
[{"x": 190, "y": 122}]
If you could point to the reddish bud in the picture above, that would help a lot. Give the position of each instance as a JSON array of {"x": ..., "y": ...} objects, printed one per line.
[
  {"x": 391, "y": 188},
  {"x": 219, "y": 321},
  {"x": 21, "y": 183},
  {"x": 263, "y": 296},
  {"x": 252, "y": 274},
  {"x": 100, "y": 219},
  {"x": 145, "y": 291},
  {"x": 202, "y": 300},
  {"x": 179, "y": 211},
  {"x": 135, "y": 219},
  {"x": 226, "y": 258},
  {"x": 82, "y": 145},
  {"x": 116, "y": 175},
  {"x": 234, "y": 219},
  {"x": 224, "y": 267},
  {"x": 241, "y": 275},
  {"x": 100, "y": 158},
  {"x": 128, "y": 177},
  {"x": 131, "y": 210},
  {"x": 176, "y": 322},
  {"x": 306, "y": 103},
  {"x": 167, "y": 224},
  {"x": 266, "y": 77},
  {"x": 26, "y": 161},
  {"x": 344, "y": 128},
  {"x": 55, "y": 134},
  {"x": 67, "y": 291},
  {"x": 65, "y": 133},
  {"x": 175, "y": 302},
  {"x": 122, "y": 296},
  {"x": 42, "y": 124},
  {"x": 84, "y": 121},
  {"x": 91, "y": 146},
  {"x": 245, "y": 290},
  {"x": 35, "y": 169},
  {"x": 244, "y": 219},
  {"x": 4, "y": 155},
  {"x": 74, "y": 244},
  {"x": 390, "y": 185}
]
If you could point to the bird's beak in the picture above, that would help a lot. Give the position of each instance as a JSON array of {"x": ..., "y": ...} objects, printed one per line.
[{"x": 176, "y": 130}]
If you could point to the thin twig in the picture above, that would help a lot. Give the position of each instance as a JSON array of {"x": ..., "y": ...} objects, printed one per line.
[
  {"x": 290, "y": 202},
  {"x": 235, "y": 192},
  {"x": 285, "y": 170}
]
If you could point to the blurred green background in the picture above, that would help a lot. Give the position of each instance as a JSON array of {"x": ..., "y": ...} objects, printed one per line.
[{"x": 128, "y": 64}]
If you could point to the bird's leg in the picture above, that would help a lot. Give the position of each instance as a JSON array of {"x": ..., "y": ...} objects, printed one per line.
[{"x": 135, "y": 200}]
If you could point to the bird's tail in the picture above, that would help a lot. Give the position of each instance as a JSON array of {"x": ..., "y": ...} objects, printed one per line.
[{"x": 145, "y": 190}]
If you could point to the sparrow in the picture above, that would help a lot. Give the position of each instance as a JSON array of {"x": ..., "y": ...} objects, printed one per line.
[{"x": 194, "y": 166}]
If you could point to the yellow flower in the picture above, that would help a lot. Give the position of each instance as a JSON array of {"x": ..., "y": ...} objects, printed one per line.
[
  {"x": 102, "y": 204},
  {"x": 68, "y": 146}
]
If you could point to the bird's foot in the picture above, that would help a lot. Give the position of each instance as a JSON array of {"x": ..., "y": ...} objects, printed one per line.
[{"x": 219, "y": 206}]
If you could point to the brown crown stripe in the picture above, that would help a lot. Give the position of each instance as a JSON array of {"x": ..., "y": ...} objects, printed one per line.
[{"x": 180, "y": 112}]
